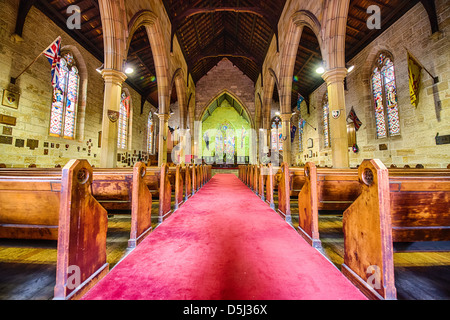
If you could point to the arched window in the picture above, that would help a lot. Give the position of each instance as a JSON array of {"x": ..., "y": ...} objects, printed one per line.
[
  {"x": 65, "y": 100},
  {"x": 326, "y": 122},
  {"x": 150, "y": 134},
  {"x": 123, "y": 121},
  {"x": 277, "y": 134},
  {"x": 385, "y": 97}
]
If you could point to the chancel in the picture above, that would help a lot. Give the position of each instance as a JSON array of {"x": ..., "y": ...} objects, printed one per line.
[{"x": 224, "y": 150}]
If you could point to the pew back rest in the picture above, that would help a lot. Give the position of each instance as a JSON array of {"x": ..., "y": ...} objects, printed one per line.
[
  {"x": 30, "y": 200},
  {"x": 337, "y": 188},
  {"x": 419, "y": 207}
]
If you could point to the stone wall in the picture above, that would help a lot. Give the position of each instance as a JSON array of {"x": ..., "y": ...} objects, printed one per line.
[
  {"x": 225, "y": 77},
  {"x": 34, "y": 86},
  {"x": 419, "y": 126}
]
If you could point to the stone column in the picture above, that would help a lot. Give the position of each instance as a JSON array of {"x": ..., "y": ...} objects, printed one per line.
[
  {"x": 286, "y": 118},
  {"x": 338, "y": 122},
  {"x": 163, "y": 136},
  {"x": 111, "y": 106}
]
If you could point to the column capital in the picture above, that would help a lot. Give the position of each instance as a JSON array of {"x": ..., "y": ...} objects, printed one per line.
[
  {"x": 114, "y": 76},
  {"x": 285, "y": 117},
  {"x": 335, "y": 75},
  {"x": 163, "y": 116}
]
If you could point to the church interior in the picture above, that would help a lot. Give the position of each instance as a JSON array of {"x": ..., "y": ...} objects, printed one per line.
[{"x": 224, "y": 150}]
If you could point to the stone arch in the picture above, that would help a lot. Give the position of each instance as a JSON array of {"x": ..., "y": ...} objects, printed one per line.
[
  {"x": 114, "y": 28},
  {"x": 153, "y": 27},
  {"x": 271, "y": 84},
  {"x": 178, "y": 80},
  {"x": 298, "y": 21}
]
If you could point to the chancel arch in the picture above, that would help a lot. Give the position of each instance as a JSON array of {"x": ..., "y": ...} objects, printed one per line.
[{"x": 227, "y": 131}]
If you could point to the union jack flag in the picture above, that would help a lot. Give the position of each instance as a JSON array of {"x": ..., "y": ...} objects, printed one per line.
[
  {"x": 352, "y": 115},
  {"x": 53, "y": 54}
]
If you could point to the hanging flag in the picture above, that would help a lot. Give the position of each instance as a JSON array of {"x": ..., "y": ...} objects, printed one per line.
[
  {"x": 293, "y": 132},
  {"x": 299, "y": 101},
  {"x": 53, "y": 54},
  {"x": 352, "y": 115},
  {"x": 415, "y": 71}
]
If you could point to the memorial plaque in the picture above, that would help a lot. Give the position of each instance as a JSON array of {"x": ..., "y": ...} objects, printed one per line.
[
  {"x": 20, "y": 143},
  {"x": 6, "y": 140},
  {"x": 7, "y": 131},
  {"x": 32, "y": 144},
  {"x": 10, "y": 121},
  {"x": 441, "y": 140}
]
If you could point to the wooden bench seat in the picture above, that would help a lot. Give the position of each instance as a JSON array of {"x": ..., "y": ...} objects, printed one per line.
[
  {"x": 59, "y": 206},
  {"x": 121, "y": 189},
  {"x": 405, "y": 206}
]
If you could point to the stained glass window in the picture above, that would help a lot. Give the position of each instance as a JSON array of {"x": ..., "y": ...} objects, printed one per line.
[
  {"x": 326, "y": 122},
  {"x": 123, "y": 121},
  {"x": 150, "y": 134},
  {"x": 277, "y": 134},
  {"x": 65, "y": 100},
  {"x": 385, "y": 97},
  {"x": 301, "y": 128}
]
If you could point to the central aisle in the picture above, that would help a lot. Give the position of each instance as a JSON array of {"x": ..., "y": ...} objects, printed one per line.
[{"x": 224, "y": 244}]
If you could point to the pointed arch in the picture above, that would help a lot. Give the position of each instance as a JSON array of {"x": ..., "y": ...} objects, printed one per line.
[
  {"x": 151, "y": 22},
  {"x": 298, "y": 21}
]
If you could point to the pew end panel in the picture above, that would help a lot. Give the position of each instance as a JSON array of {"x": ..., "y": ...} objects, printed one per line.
[
  {"x": 269, "y": 186},
  {"x": 368, "y": 256},
  {"x": 165, "y": 195},
  {"x": 141, "y": 208},
  {"x": 261, "y": 181},
  {"x": 308, "y": 213},
  {"x": 284, "y": 198},
  {"x": 83, "y": 224},
  {"x": 179, "y": 186},
  {"x": 188, "y": 182}
]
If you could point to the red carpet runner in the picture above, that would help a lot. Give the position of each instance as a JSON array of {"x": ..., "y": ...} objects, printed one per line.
[{"x": 224, "y": 244}]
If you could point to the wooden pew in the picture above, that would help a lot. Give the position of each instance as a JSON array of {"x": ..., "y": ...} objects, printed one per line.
[
  {"x": 116, "y": 189},
  {"x": 392, "y": 207},
  {"x": 188, "y": 182},
  {"x": 284, "y": 199},
  {"x": 59, "y": 206},
  {"x": 256, "y": 174},
  {"x": 263, "y": 170},
  {"x": 325, "y": 189},
  {"x": 296, "y": 181},
  {"x": 270, "y": 182},
  {"x": 165, "y": 195}
]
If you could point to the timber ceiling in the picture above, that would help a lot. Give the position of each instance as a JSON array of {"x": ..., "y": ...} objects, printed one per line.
[{"x": 209, "y": 30}]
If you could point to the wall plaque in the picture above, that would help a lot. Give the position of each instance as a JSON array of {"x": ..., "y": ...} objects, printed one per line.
[
  {"x": 20, "y": 143},
  {"x": 32, "y": 144},
  {"x": 4, "y": 119},
  {"x": 441, "y": 140},
  {"x": 7, "y": 131},
  {"x": 10, "y": 99},
  {"x": 6, "y": 140}
]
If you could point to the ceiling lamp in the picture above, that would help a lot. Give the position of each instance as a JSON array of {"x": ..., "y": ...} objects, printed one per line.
[
  {"x": 129, "y": 70},
  {"x": 350, "y": 69},
  {"x": 320, "y": 70}
]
